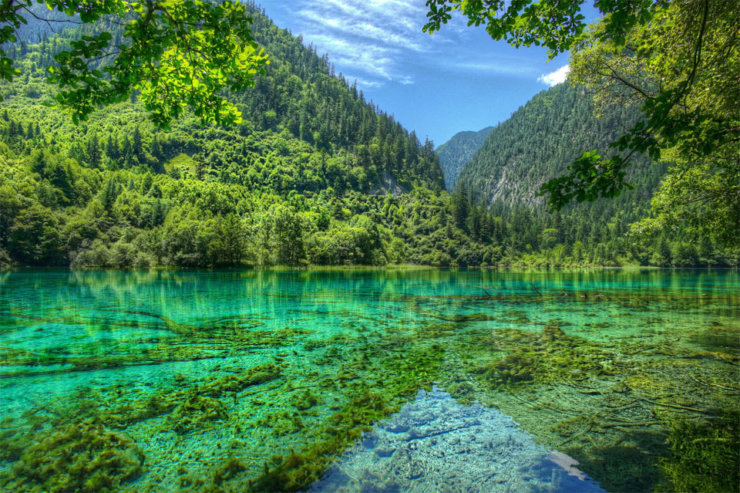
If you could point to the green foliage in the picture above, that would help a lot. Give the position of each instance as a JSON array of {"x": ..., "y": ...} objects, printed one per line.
[
  {"x": 175, "y": 54},
  {"x": 34, "y": 237},
  {"x": 590, "y": 178},
  {"x": 704, "y": 456},
  {"x": 681, "y": 69},
  {"x": 315, "y": 176},
  {"x": 309, "y": 179},
  {"x": 703, "y": 200},
  {"x": 535, "y": 145},
  {"x": 555, "y": 24},
  {"x": 677, "y": 61}
]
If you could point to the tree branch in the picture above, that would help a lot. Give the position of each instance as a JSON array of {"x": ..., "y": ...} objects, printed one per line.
[{"x": 47, "y": 20}]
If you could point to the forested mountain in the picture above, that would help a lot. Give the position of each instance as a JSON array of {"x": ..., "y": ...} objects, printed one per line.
[
  {"x": 41, "y": 23},
  {"x": 538, "y": 143},
  {"x": 542, "y": 138},
  {"x": 313, "y": 174},
  {"x": 458, "y": 151}
]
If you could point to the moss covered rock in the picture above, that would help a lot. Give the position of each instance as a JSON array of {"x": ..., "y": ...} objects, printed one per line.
[
  {"x": 84, "y": 457},
  {"x": 196, "y": 412}
]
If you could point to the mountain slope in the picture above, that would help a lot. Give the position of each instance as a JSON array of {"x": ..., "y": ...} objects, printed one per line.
[
  {"x": 538, "y": 143},
  {"x": 306, "y": 178},
  {"x": 458, "y": 151},
  {"x": 541, "y": 139}
]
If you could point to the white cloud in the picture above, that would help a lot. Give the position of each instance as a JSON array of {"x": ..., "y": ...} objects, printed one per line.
[
  {"x": 381, "y": 42},
  {"x": 371, "y": 59},
  {"x": 501, "y": 67},
  {"x": 556, "y": 77},
  {"x": 406, "y": 80},
  {"x": 362, "y": 82},
  {"x": 372, "y": 37},
  {"x": 352, "y": 28}
]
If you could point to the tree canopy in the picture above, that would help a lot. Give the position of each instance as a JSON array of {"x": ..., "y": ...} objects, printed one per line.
[
  {"x": 175, "y": 53},
  {"x": 555, "y": 24},
  {"x": 683, "y": 70},
  {"x": 314, "y": 174}
]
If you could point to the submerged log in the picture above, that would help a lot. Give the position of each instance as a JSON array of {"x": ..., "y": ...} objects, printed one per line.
[{"x": 488, "y": 291}]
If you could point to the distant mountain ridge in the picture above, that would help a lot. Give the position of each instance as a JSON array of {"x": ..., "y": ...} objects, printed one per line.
[
  {"x": 539, "y": 142},
  {"x": 458, "y": 151}
]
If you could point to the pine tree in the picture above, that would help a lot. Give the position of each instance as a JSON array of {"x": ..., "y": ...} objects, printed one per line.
[
  {"x": 112, "y": 150},
  {"x": 92, "y": 152},
  {"x": 138, "y": 150}
]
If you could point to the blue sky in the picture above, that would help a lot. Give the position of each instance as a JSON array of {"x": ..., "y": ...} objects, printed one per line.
[{"x": 457, "y": 79}]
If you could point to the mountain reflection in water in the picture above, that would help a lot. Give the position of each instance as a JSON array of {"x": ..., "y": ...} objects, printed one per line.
[{"x": 438, "y": 444}]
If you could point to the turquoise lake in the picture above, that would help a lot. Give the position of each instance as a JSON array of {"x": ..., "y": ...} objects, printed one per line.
[{"x": 395, "y": 380}]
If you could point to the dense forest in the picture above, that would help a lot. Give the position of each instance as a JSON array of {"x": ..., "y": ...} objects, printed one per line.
[
  {"x": 171, "y": 171},
  {"x": 314, "y": 174}
]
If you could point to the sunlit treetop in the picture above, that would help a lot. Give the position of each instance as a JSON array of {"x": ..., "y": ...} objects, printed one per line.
[
  {"x": 176, "y": 54},
  {"x": 554, "y": 24},
  {"x": 683, "y": 70}
]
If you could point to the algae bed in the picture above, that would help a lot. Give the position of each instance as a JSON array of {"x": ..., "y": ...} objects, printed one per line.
[{"x": 274, "y": 381}]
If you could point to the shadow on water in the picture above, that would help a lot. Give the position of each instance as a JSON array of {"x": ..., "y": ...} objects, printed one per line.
[{"x": 624, "y": 468}]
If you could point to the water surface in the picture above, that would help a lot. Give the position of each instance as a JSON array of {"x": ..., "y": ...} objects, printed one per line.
[{"x": 292, "y": 380}]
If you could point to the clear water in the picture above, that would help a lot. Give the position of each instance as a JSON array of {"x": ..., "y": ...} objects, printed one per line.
[{"x": 296, "y": 380}]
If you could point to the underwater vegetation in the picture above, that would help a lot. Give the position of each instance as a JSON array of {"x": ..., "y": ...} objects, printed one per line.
[
  {"x": 638, "y": 416},
  {"x": 399, "y": 367},
  {"x": 547, "y": 356},
  {"x": 80, "y": 452},
  {"x": 266, "y": 392},
  {"x": 207, "y": 345},
  {"x": 195, "y": 413},
  {"x": 704, "y": 456},
  {"x": 239, "y": 381},
  {"x": 83, "y": 457},
  {"x": 298, "y": 470}
]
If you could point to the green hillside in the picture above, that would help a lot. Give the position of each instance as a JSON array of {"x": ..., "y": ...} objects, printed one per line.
[
  {"x": 458, "y": 151},
  {"x": 538, "y": 143},
  {"x": 542, "y": 138},
  {"x": 314, "y": 174}
]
